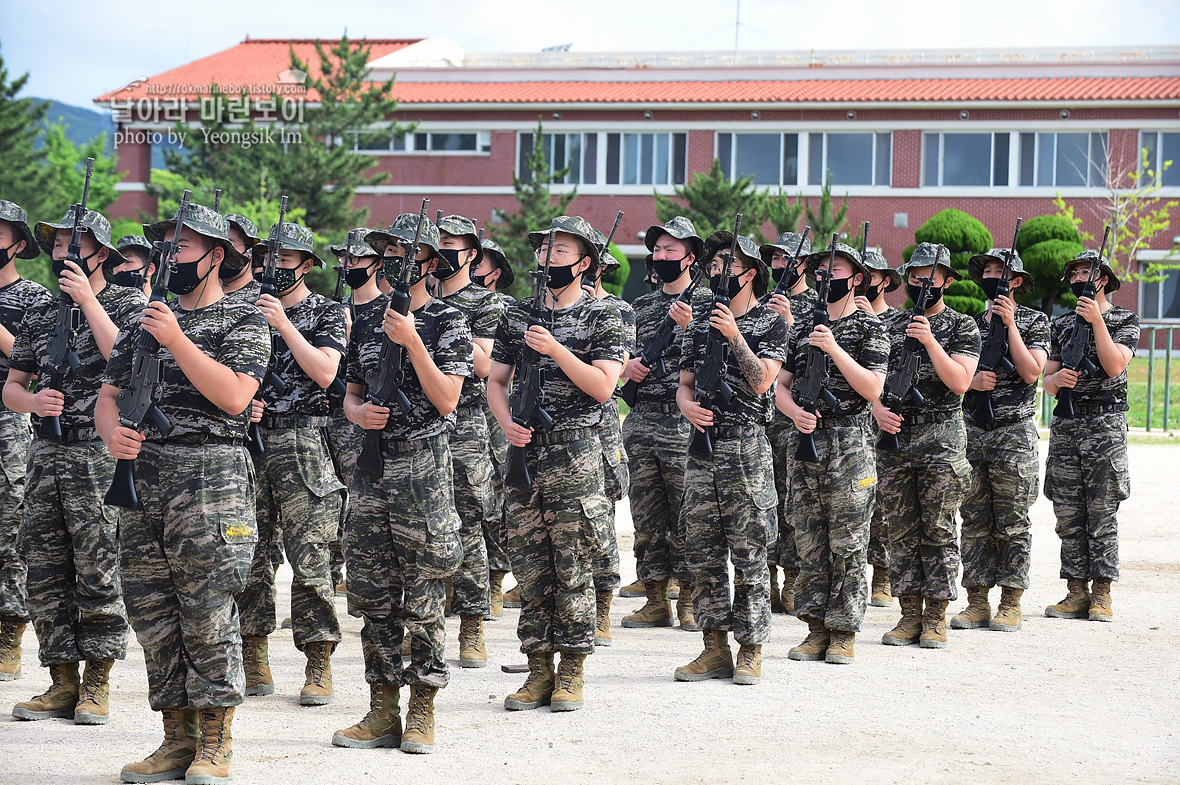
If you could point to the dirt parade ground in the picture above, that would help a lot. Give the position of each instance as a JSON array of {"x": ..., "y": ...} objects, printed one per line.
[{"x": 1058, "y": 702}]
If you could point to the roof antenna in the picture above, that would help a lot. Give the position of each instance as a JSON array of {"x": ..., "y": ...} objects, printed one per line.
[{"x": 737, "y": 28}]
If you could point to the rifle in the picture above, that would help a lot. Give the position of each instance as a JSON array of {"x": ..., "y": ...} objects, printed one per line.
[
  {"x": 63, "y": 360},
  {"x": 216, "y": 201},
  {"x": 791, "y": 279},
  {"x": 994, "y": 355},
  {"x": 1073, "y": 356},
  {"x": 899, "y": 386},
  {"x": 813, "y": 386},
  {"x": 530, "y": 380},
  {"x": 272, "y": 380},
  {"x": 338, "y": 388},
  {"x": 652, "y": 355},
  {"x": 137, "y": 404},
  {"x": 383, "y": 387},
  {"x": 710, "y": 382}
]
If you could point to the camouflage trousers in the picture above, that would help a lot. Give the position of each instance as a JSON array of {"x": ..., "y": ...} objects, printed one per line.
[
  {"x": 298, "y": 496},
  {"x": 183, "y": 557},
  {"x": 344, "y": 445},
  {"x": 878, "y": 533},
  {"x": 15, "y": 437},
  {"x": 920, "y": 487},
  {"x": 494, "y": 537},
  {"x": 656, "y": 444},
  {"x": 729, "y": 515},
  {"x": 553, "y": 539},
  {"x": 401, "y": 542},
  {"x": 781, "y": 434},
  {"x": 616, "y": 481},
  {"x": 997, "y": 534},
  {"x": 833, "y": 503},
  {"x": 1086, "y": 476},
  {"x": 68, "y": 539},
  {"x": 475, "y": 501}
]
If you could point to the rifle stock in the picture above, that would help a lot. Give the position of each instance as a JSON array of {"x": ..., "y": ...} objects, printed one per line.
[
  {"x": 899, "y": 386},
  {"x": 652, "y": 355},
  {"x": 1074, "y": 355}
]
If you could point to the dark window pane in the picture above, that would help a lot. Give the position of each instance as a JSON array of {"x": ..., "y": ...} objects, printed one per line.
[
  {"x": 815, "y": 159},
  {"x": 452, "y": 141},
  {"x": 612, "y": 158},
  {"x": 758, "y": 155},
  {"x": 557, "y": 159},
  {"x": 966, "y": 159},
  {"x": 1099, "y": 154},
  {"x": 1151, "y": 298},
  {"x": 884, "y": 159},
  {"x": 1169, "y": 151},
  {"x": 1000, "y": 167},
  {"x": 790, "y": 159},
  {"x": 590, "y": 159},
  {"x": 526, "y": 150},
  {"x": 573, "y": 158},
  {"x": 420, "y": 142},
  {"x": 679, "y": 156},
  {"x": 1072, "y": 159},
  {"x": 932, "y": 149},
  {"x": 630, "y": 159},
  {"x": 850, "y": 158},
  {"x": 1028, "y": 161},
  {"x": 1171, "y": 296},
  {"x": 725, "y": 154},
  {"x": 646, "y": 156},
  {"x": 1046, "y": 155},
  {"x": 661, "y": 161}
]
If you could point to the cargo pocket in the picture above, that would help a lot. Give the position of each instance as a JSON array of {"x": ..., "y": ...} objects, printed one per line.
[
  {"x": 848, "y": 533},
  {"x": 479, "y": 479},
  {"x": 230, "y": 568},
  {"x": 596, "y": 512},
  {"x": 441, "y": 554},
  {"x": 1028, "y": 472},
  {"x": 616, "y": 472},
  {"x": 314, "y": 463},
  {"x": 1120, "y": 477},
  {"x": 758, "y": 473}
]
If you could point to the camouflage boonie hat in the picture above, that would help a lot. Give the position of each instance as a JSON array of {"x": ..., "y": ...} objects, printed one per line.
[
  {"x": 928, "y": 255},
  {"x": 786, "y": 242},
  {"x": 609, "y": 261},
  {"x": 577, "y": 226},
  {"x": 296, "y": 237},
  {"x": 874, "y": 260},
  {"x": 679, "y": 227},
  {"x": 403, "y": 228},
  {"x": 15, "y": 215},
  {"x": 134, "y": 242},
  {"x": 94, "y": 221},
  {"x": 722, "y": 239},
  {"x": 355, "y": 244},
  {"x": 245, "y": 224},
  {"x": 1112, "y": 281},
  {"x": 819, "y": 259},
  {"x": 206, "y": 222},
  {"x": 459, "y": 226},
  {"x": 496, "y": 254},
  {"x": 977, "y": 262}
]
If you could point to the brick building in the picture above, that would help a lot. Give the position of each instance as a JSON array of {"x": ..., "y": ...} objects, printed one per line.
[{"x": 905, "y": 134}]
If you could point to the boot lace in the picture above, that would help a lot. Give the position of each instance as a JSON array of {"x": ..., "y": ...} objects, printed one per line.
[
  {"x": 747, "y": 657},
  {"x": 213, "y": 728},
  {"x": 317, "y": 666},
  {"x": 91, "y": 685},
  {"x": 469, "y": 634},
  {"x": 601, "y": 617},
  {"x": 416, "y": 717},
  {"x": 567, "y": 675},
  {"x": 7, "y": 639}
]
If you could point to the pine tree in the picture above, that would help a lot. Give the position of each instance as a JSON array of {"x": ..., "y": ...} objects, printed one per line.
[
  {"x": 784, "y": 214},
  {"x": 711, "y": 201},
  {"x": 24, "y": 178},
  {"x": 826, "y": 221}
]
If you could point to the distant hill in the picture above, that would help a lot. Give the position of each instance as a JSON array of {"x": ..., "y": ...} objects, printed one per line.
[{"x": 83, "y": 124}]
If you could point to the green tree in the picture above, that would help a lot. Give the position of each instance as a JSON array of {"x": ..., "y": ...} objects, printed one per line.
[
  {"x": 538, "y": 207},
  {"x": 784, "y": 214},
  {"x": 614, "y": 280},
  {"x": 67, "y": 167},
  {"x": 24, "y": 178},
  {"x": 1046, "y": 243},
  {"x": 964, "y": 236},
  {"x": 827, "y": 219},
  {"x": 710, "y": 200}
]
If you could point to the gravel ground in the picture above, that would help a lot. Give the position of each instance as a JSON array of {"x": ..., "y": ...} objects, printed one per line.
[{"x": 1058, "y": 702}]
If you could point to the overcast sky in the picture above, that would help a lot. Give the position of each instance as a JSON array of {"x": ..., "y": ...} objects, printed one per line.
[{"x": 123, "y": 41}]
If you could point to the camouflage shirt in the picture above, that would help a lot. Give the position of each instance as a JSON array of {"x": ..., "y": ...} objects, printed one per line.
[
  {"x": 765, "y": 333},
  {"x": 231, "y": 332},
  {"x": 803, "y": 306},
  {"x": 447, "y": 338},
  {"x": 482, "y": 308},
  {"x": 650, "y": 310},
  {"x": 324, "y": 324},
  {"x": 336, "y": 398},
  {"x": 1097, "y": 388},
  {"x": 30, "y": 353},
  {"x": 16, "y": 299},
  {"x": 591, "y": 329},
  {"x": 863, "y": 337},
  {"x": 891, "y": 315},
  {"x": 1013, "y": 398},
  {"x": 956, "y": 333}
]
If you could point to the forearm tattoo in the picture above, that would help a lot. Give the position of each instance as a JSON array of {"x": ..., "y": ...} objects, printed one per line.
[{"x": 752, "y": 368}]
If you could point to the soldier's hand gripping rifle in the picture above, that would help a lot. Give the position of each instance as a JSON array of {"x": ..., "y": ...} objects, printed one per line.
[
  {"x": 1073, "y": 355},
  {"x": 900, "y": 385},
  {"x": 994, "y": 354},
  {"x": 710, "y": 382},
  {"x": 652, "y": 354},
  {"x": 791, "y": 278},
  {"x": 530, "y": 379},
  {"x": 271, "y": 381},
  {"x": 63, "y": 360},
  {"x": 137, "y": 403},
  {"x": 383, "y": 387},
  {"x": 813, "y": 385}
]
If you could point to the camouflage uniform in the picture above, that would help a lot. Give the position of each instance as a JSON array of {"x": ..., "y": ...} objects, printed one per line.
[
  {"x": 495, "y": 537},
  {"x": 552, "y": 529},
  {"x": 1086, "y": 473},
  {"x": 401, "y": 539},
  {"x": 878, "y": 534},
  {"x": 615, "y": 466},
  {"x": 187, "y": 552},
  {"x": 833, "y": 498},
  {"x": 730, "y": 499},
  {"x": 997, "y": 533}
]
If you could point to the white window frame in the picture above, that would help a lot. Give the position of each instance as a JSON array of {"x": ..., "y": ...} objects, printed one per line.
[
  {"x": 873, "y": 132},
  {"x": 1159, "y": 153},
  {"x": 1146, "y": 258},
  {"x": 483, "y": 139},
  {"x": 991, "y": 163}
]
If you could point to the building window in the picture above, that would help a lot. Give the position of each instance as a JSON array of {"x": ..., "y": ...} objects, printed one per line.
[
  {"x": 426, "y": 142},
  {"x": 853, "y": 159},
  {"x": 562, "y": 151},
  {"x": 1063, "y": 159},
  {"x": 1161, "y": 148},
  {"x": 771, "y": 159},
  {"x": 1160, "y": 300},
  {"x": 966, "y": 159},
  {"x": 645, "y": 159}
]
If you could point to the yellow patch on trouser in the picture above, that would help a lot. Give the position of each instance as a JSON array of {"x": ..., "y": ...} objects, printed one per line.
[{"x": 867, "y": 482}]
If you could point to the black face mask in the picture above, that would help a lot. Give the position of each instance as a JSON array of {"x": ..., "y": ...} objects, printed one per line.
[
  {"x": 132, "y": 279},
  {"x": 480, "y": 280},
  {"x": 59, "y": 266},
  {"x": 991, "y": 287},
  {"x": 915, "y": 291},
  {"x": 875, "y": 291},
  {"x": 561, "y": 277},
  {"x": 451, "y": 255},
  {"x": 669, "y": 269},
  {"x": 184, "y": 278},
  {"x": 790, "y": 272},
  {"x": 735, "y": 286},
  {"x": 839, "y": 288},
  {"x": 356, "y": 277},
  {"x": 6, "y": 255},
  {"x": 1079, "y": 288}
]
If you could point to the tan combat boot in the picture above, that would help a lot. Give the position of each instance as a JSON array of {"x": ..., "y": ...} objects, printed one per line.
[
  {"x": 673, "y": 588},
  {"x": 909, "y": 629},
  {"x": 1008, "y": 616},
  {"x": 634, "y": 589},
  {"x": 381, "y": 727},
  {"x": 495, "y": 595},
  {"x": 419, "y": 736},
  {"x": 776, "y": 594},
  {"x": 57, "y": 701},
  {"x": 749, "y": 664},
  {"x": 512, "y": 597},
  {"x": 256, "y": 663},
  {"x": 538, "y": 686},
  {"x": 934, "y": 625},
  {"x": 815, "y": 646},
  {"x": 11, "y": 633},
  {"x": 715, "y": 662},
  {"x": 602, "y": 636},
  {"x": 213, "y": 764},
  {"x": 1101, "y": 606},
  {"x": 788, "y": 593},
  {"x": 317, "y": 686},
  {"x": 341, "y": 589},
  {"x": 881, "y": 598},
  {"x": 173, "y": 756},
  {"x": 473, "y": 653},
  {"x": 1076, "y": 604},
  {"x": 658, "y": 610},
  {"x": 841, "y": 650},
  {"x": 685, "y": 610},
  {"x": 94, "y": 696},
  {"x": 978, "y": 611},
  {"x": 567, "y": 696}
]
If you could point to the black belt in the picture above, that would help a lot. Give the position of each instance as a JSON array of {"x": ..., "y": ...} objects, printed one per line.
[
  {"x": 71, "y": 435},
  {"x": 273, "y": 421},
  {"x": 991, "y": 426},
  {"x": 655, "y": 408},
  {"x": 929, "y": 418},
  {"x": 841, "y": 421},
  {"x": 563, "y": 436},
  {"x": 1098, "y": 408},
  {"x": 198, "y": 439},
  {"x": 402, "y": 446},
  {"x": 735, "y": 431}
]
